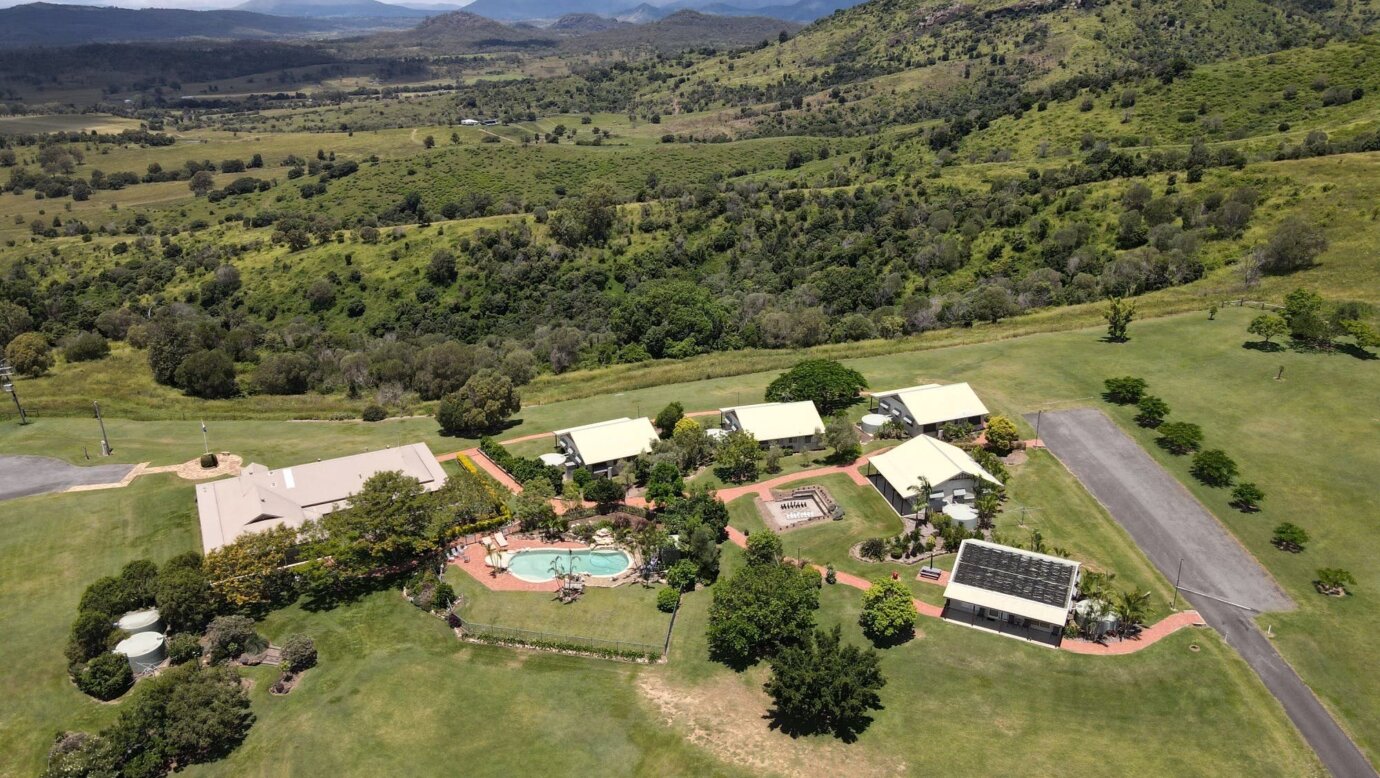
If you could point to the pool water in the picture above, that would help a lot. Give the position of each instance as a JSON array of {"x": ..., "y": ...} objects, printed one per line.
[{"x": 534, "y": 564}]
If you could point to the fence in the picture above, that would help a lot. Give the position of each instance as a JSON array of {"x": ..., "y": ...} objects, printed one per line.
[{"x": 619, "y": 649}]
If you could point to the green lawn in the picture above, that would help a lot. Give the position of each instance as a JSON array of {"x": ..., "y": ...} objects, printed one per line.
[
  {"x": 954, "y": 693},
  {"x": 625, "y": 613},
  {"x": 1191, "y": 712}
]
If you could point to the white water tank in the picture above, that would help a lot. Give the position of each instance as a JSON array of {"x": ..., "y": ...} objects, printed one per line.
[
  {"x": 553, "y": 459},
  {"x": 872, "y": 423},
  {"x": 146, "y": 620},
  {"x": 145, "y": 651}
]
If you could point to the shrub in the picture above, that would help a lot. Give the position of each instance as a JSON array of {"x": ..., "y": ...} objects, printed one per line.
[
  {"x": 667, "y": 599},
  {"x": 1126, "y": 390},
  {"x": 86, "y": 347},
  {"x": 209, "y": 461},
  {"x": 1180, "y": 437},
  {"x": 665, "y": 421},
  {"x": 1213, "y": 467},
  {"x": 681, "y": 575},
  {"x": 873, "y": 548},
  {"x": 1290, "y": 537},
  {"x": 888, "y": 612},
  {"x": 105, "y": 677},
  {"x": 1334, "y": 580},
  {"x": 374, "y": 413},
  {"x": 229, "y": 637},
  {"x": 830, "y": 575},
  {"x": 299, "y": 653},
  {"x": 1002, "y": 435},
  {"x": 183, "y": 648},
  {"x": 29, "y": 354},
  {"x": 522, "y": 469},
  {"x": 1247, "y": 497},
  {"x": 90, "y": 636},
  {"x": 1152, "y": 411}
]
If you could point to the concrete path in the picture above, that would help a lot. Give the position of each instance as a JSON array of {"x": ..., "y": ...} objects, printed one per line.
[
  {"x": 21, "y": 476},
  {"x": 1220, "y": 578},
  {"x": 1148, "y": 637}
]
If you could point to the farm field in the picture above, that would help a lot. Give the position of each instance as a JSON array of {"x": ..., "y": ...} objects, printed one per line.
[{"x": 1197, "y": 365}]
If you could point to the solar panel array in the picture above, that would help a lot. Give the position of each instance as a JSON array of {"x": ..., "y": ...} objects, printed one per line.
[{"x": 1014, "y": 573}]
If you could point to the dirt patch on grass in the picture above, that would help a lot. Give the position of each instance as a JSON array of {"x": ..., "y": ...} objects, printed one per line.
[{"x": 727, "y": 718}]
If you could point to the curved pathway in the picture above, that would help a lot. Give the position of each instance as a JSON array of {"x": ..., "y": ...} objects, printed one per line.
[{"x": 1148, "y": 637}]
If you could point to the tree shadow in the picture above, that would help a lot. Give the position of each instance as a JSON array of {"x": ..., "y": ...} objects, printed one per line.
[
  {"x": 846, "y": 729},
  {"x": 879, "y": 641},
  {"x": 324, "y": 598},
  {"x": 1268, "y": 347},
  {"x": 1355, "y": 351}
]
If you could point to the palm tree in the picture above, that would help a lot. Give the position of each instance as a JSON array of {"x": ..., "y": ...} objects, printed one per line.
[{"x": 1131, "y": 609}]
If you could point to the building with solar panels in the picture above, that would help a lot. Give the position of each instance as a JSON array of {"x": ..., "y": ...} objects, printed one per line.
[{"x": 1011, "y": 591}]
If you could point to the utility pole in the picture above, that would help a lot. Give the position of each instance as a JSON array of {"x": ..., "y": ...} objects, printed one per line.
[
  {"x": 1038, "y": 415},
  {"x": 7, "y": 383},
  {"x": 1177, "y": 576},
  {"x": 105, "y": 441}
]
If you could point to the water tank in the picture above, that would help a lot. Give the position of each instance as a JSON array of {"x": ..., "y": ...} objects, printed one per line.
[
  {"x": 145, "y": 651},
  {"x": 146, "y": 620},
  {"x": 872, "y": 423},
  {"x": 716, "y": 433},
  {"x": 553, "y": 459},
  {"x": 1094, "y": 616}
]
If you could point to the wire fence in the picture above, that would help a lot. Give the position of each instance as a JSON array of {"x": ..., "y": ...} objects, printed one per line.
[{"x": 558, "y": 641}]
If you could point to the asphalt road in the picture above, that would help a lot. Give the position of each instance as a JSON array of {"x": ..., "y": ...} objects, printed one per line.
[
  {"x": 1220, "y": 578},
  {"x": 21, "y": 476},
  {"x": 1165, "y": 520}
]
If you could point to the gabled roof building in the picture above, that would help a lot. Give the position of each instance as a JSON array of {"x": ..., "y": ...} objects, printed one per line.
[
  {"x": 1011, "y": 591},
  {"x": 259, "y": 498},
  {"x": 794, "y": 425},
  {"x": 601, "y": 446},
  {"x": 925, "y": 409}
]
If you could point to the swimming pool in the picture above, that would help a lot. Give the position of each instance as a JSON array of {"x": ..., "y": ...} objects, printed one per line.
[{"x": 534, "y": 564}]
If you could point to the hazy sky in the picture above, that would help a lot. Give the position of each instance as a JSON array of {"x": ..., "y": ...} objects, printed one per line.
[{"x": 199, "y": 5}]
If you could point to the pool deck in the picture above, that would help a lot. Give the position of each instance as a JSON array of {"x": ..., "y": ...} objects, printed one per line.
[{"x": 473, "y": 563}]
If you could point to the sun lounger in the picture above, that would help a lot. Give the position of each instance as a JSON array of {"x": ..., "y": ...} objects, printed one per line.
[{"x": 500, "y": 540}]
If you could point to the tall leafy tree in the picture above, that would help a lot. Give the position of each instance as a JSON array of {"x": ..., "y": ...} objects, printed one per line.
[
  {"x": 827, "y": 383},
  {"x": 824, "y": 685}
]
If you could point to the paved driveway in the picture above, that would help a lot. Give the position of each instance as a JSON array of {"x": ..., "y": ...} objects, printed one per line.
[
  {"x": 1165, "y": 520},
  {"x": 21, "y": 476},
  {"x": 1220, "y": 578}
]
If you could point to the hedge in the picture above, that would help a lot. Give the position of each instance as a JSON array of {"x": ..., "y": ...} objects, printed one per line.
[{"x": 522, "y": 469}]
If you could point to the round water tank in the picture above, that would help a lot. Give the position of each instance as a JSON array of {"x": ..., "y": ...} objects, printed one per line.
[
  {"x": 872, "y": 423},
  {"x": 716, "y": 432},
  {"x": 145, "y": 651},
  {"x": 553, "y": 459},
  {"x": 146, "y": 620}
]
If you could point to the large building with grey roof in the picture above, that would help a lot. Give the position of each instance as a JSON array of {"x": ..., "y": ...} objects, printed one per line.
[{"x": 259, "y": 498}]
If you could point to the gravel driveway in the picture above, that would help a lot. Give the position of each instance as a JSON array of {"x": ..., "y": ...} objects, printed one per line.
[{"x": 21, "y": 476}]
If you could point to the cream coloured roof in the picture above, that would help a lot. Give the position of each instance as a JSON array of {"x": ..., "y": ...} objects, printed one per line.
[
  {"x": 259, "y": 498},
  {"x": 936, "y": 403},
  {"x": 776, "y": 421},
  {"x": 612, "y": 440},
  {"x": 928, "y": 459}
]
